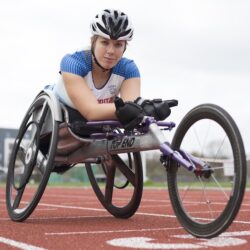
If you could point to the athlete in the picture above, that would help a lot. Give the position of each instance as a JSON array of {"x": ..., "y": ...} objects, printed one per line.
[{"x": 91, "y": 79}]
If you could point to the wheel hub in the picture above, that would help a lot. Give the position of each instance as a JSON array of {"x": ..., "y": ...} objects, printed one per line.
[
  {"x": 203, "y": 172},
  {"x": 28, "y": 155}
]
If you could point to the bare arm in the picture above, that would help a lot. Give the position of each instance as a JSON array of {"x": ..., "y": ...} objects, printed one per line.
[
  {"x": 87, "y": 104},
  {"x": 131, "y": 89},
  {"x": 85, "y": 101}
]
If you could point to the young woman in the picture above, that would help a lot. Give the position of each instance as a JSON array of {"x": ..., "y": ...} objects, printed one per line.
[{"x": 91, "y": 79}]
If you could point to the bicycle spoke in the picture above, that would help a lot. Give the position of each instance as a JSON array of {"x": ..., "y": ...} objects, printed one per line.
[
  {"x": 43, "y": 114},
  {"x": 21, "y": 153},
  {"x": 127, "y": 172},
  {"x": 110, "y": 183},
  {"x": 207, "y": 201},
  {"x": 220, "y": 187},
  {"x": 18, "y": 198}
]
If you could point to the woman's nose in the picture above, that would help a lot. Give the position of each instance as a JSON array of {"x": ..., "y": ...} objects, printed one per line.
[{"x": 110, "y": 48}]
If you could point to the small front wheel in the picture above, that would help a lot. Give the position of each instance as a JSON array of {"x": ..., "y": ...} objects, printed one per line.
[{"x": 207, "y": 200}]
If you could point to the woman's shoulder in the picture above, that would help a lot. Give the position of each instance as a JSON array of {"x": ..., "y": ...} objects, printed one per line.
[
  {"x": 78, "y": 62},
  {"x": 79, "y": 56},
  {"x": 126, "y": 68}
]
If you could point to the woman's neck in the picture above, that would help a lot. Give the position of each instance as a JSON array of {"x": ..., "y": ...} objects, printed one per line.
[{"x": 99, "y": 76}]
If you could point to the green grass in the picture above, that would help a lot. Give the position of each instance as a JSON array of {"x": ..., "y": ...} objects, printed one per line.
[
  {"x": 68, "y": 184},
  {"x": 87, "y": 184},
  {"x": 148, "y": 183}
]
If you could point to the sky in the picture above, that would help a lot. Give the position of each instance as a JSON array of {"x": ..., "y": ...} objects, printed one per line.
[{"x": 190, "y": 50}]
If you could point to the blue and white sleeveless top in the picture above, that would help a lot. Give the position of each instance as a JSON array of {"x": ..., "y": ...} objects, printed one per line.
[{"x": 80, "y": 63}]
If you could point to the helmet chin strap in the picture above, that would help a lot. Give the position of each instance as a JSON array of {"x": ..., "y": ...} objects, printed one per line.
[{"x": 97, "y": 63}]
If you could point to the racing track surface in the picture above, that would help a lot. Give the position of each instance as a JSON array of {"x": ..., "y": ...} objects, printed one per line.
[{"x": 72, "y": 218}]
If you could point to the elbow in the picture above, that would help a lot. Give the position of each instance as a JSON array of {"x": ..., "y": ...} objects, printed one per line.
[
  {"x": 90, "y": 117},
  {"x": 90, "y": 114},
  {"x": 99, "y": 112},
  {"x": 88, "y": 111}
]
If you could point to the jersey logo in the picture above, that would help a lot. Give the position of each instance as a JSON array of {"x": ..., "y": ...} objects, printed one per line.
[
  {"x": 106, "y": 100},
  {"x": 112, "y": 89}
]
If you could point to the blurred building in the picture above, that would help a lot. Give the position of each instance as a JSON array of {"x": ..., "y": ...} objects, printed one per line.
[{"x": 7, "y": 137}]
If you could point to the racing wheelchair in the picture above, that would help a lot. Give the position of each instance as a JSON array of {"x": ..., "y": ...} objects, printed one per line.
[{"x": 205, "y": 162}]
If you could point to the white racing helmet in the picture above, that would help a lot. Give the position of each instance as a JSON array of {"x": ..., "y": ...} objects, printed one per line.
[{"x": 112, "y": 24}]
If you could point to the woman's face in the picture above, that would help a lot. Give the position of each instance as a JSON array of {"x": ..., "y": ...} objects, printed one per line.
[{"x": 108, "y": 52}]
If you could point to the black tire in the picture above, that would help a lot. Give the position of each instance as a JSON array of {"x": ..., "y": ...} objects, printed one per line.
[
  {"x": 120, "y": 199},
  {"x": 207, "y": 200},
  {"x": 27, "y": 177}
]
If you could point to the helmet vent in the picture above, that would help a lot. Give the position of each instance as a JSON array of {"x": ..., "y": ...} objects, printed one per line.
[
  {"x": 104, "y": 20},
  {"x": 102, "y": 29}
]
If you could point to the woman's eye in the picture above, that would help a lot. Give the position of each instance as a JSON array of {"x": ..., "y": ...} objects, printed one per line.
[
  {"x": 118, "y": 45},
  {"x": 104, "y": 42}
]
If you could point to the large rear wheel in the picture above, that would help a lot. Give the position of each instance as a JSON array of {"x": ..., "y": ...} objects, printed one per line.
[{"x": 31, "y": 159}]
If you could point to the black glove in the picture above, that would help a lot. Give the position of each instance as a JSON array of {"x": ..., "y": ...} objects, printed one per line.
[
  {"x": 157, "y": 108},
  {"x": 129, "y": 114}
]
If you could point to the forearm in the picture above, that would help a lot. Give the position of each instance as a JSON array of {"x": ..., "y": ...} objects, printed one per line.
[
  {"x": 105, "y": 111},
  {"x": 130, "y": 89},
  {"x": 92, "y": 110}
]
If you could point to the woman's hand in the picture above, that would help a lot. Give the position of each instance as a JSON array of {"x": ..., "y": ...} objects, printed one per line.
[{"x": 129, "y": 114}]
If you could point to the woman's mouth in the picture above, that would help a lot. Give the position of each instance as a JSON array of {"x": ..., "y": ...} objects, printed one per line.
[{"x": 108, "y": 59}]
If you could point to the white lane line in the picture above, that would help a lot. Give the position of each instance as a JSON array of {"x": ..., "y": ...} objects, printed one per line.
[
  {"x": 241, "y": 222},
  {"x": 159, "y": 205},
  {"x": 19, "y": 244},
  {"x": 155, "y": 200},
  {"x": 70, "y": 217},
  {"x": 233, "y": 234},
  {"x": 62, "y": 218},
  {"x": 81, "y": 203},
  {"x": 73, "y": 207},
  {"x": 113, "y": 231},
  {"x": 173, "y": 216},
  {"x": 104, "y": 210},
  {"x": 45, "y": 209},
  {"x": 225, "y": 234},
  {"x": 156, "y": 215}
]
